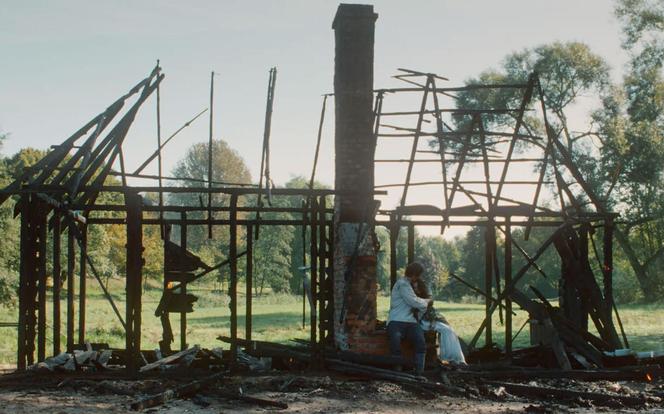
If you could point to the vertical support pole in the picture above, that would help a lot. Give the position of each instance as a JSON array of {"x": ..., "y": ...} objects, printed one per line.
[
  {"x": 324, "y": 292},
  {"x": 159, "y": 164},
  {"x": 249, "y": 283},
  {"x": 581, "y": 305},
  {"x": 394, "y": 237},
  {"x": 305, "y": 221},
  {"x": 23, "y": 296},
  {"x": 167, "y": 330},
  {"x": 508, "y": 282},
  {"x": 32, "y": 281},
  {"x": 209, "y": 169},
  {"x": 183, "y": 289},
  {"x": 22, "y": 288},
  {"x": 232, "y": 256},
  {"x": 82, "y": 284},
  {"x": 41, "y": 228},
  {"x": 411, "y": 243},
  {"x": 490, "y": 240},
  {"x": 57, "y": 282},
  {"x": 71, "y": 263},
  {"x": 134, "y": 204},
  {"x": 607, "y": 265},
  {"x": 314, "y": 274},
  {"x": 328, "y": 228}
]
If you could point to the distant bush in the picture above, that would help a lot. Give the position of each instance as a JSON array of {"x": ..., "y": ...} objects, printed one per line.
[
  {"x": 103, "y": 332},
  {"x": 626, "y": 288},
  {"x": 471, "y": 299}
]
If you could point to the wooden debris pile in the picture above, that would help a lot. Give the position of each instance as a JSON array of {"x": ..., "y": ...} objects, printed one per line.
[
  {"x": 77, "y": 361},
  {"x": 104, "y": 359}
]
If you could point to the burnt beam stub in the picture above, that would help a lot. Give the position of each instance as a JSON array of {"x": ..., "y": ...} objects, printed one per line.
[{"x": 353, "y": 88}]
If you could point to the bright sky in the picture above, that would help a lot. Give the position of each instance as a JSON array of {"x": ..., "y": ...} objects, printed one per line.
[{"x": 63, "y": 62}]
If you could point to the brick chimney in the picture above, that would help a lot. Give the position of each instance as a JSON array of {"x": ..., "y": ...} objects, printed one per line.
[{"x": 355, "y": 284}]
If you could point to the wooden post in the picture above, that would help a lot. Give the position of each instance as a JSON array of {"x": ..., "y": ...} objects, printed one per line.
[
  {"x": 23, "y": 297},
  {"x": 582, "y": 304},
  {"x": 183, "y": 289},
  {"x": 71, "y": 263},
  {"x": 82, "y": 285},
  {"x": 305, "y": 222},
  {"x": 324, "y": 320},
  {"x": 489, "y": 244},
  {"x": 607, "y": 265},
  {"x": 508, "y": 282},
  {"x": 411, "y": 243},
  {"x": 57, "y": 268},
  {"x": 394, "y": 237},
  {"x": 41, "y": 230},
  {"x": 330, "y": 269},
  {"x": 32, "y": 281},
  {"x": 314, "y": 272},
  {"x": 232, "y": 256},
  {"x": 249, "y": 283},
  {"x": 167, "y": 331},
  {"x": 134, "y": 204}
]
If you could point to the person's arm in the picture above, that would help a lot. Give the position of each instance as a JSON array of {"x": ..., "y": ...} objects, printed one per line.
[{"x": 408, "y": 294}]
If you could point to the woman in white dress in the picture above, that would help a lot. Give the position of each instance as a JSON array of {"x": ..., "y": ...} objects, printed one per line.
[{"x": 430, "y": 320}]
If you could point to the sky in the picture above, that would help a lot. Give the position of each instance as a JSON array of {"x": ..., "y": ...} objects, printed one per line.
[{"x": 63, "y": 62}]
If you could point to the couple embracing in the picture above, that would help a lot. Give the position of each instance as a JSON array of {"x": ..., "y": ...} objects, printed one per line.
[{"x": 411, "y": 313}]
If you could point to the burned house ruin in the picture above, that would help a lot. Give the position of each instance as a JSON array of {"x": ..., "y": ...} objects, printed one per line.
[{"x": 61, "y": 194}]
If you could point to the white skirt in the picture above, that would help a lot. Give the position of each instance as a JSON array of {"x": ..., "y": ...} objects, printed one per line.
[{"x": 450, "y": 348}]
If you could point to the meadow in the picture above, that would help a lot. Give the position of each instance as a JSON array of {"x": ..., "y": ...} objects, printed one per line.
[{"x": 278, "y": 318}]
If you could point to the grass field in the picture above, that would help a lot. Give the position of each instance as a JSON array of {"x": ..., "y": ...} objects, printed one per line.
[{"x": 279, "y": 318}]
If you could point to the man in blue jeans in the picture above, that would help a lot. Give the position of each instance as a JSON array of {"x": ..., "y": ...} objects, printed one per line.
[{"x": 401, "y": 321}]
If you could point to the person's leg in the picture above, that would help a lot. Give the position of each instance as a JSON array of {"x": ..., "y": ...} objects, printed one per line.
[
  {"x": 395, "y": 334},
  {"x": 416, "y": 336}
]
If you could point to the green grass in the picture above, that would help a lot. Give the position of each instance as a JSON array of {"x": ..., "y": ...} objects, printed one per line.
[{"x": 279, "y": 318}]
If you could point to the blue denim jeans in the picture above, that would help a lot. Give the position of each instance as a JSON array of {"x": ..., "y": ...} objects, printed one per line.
[{"x": 411, "y": 332}]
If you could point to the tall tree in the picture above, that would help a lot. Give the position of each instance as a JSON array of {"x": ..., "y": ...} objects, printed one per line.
[
  {"x": 631, "y": 122},
  {"x": 272, "y": 254},
  {"x": 9, "y": 242},
  {"x": 227, "y": 167}
]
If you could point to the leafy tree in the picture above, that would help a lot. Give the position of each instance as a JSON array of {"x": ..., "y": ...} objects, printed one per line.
[
  {"x": 272, "y": 259},
  {"x": 227, "y": 167},
  {"x": 383, "y": 259},
  {"x": 631, "y": 123},
  {"x": 437, "y": 256},
  {"x": 629, "y": 127},
  {"x": 299, "y": 252},
  {"x": 272, "y": 255},
  {"x": 22, "y": 159},
  {"x": 566, "y": 71},
  {"x": 9, "y": 243}
]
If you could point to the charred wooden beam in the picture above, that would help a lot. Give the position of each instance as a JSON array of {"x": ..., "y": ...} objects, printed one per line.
[
  {"x": 249, "y": 283},
  {"x": 604, "y": 399},
  {"x": 183, "y": 285},
  {"x": 71, "y": 262},
  {"x": 57, "y": 283},
  {"x": 232, "y": 257},
  {"x": 134, "y": 280},
  {"x": 181, "y": 391},
  {"x": 82, "y": 296}
]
